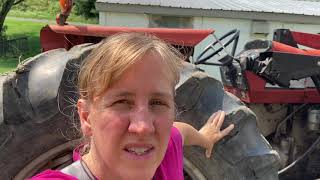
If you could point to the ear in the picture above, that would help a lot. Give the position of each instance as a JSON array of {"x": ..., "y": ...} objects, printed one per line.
[{"x": 84, "y": 112}]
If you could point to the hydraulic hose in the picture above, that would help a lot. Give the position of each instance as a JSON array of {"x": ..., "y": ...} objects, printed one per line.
[{"x": 311, "y": 148}]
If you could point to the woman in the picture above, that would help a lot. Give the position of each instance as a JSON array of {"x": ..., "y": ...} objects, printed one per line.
[{"x": 127, "y": 111}]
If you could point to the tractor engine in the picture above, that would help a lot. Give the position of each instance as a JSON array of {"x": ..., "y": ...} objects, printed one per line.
[
  {"x": 292, "y": 130},
  {"x": 280, "y": 83}
]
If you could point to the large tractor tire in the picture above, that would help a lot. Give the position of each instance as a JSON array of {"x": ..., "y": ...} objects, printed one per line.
[
  {"x": 39, "y": 123},
  {"x": 243, "y": 155}
]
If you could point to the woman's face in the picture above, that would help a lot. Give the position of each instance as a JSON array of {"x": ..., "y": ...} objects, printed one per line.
[{"x": 130, "y": 124}]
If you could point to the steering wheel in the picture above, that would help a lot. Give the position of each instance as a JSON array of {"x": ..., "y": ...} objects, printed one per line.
[{"x": 204, "y": 56}]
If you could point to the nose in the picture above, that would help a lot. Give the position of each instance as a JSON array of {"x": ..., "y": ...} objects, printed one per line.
[{"x": 141, "y": 122}]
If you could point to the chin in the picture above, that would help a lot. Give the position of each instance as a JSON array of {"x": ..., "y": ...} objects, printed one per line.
[
  {"x": 139, "y": 168},
  {"x": 142, "y": 174}
]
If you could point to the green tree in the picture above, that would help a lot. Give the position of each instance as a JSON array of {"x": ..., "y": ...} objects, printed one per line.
[
  {"x": 5, "y": 6},
  {"x": 86, "y": 8}
]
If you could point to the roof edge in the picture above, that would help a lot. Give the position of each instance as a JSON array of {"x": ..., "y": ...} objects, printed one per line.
[{"x": 267, "y": 16}]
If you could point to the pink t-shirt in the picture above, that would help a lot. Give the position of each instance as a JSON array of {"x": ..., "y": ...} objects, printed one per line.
[{"x": 171, "y": 166}]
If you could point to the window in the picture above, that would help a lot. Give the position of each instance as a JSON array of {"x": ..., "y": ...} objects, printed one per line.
[{"x": 170, "y": 21}]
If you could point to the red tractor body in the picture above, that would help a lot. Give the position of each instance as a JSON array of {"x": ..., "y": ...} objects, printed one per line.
[
  {"x": 257, "y": 90},
  {"x": 67, "y": 36}
]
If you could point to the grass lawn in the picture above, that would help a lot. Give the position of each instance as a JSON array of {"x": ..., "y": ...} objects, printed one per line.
[
  {"x": 8, "y": 64},
  {"x": 50, "y": 16},
  {"x": 46, "y": 9},
  {"x": 37, "y": 9},
  {"x": 16, "y": 29}
]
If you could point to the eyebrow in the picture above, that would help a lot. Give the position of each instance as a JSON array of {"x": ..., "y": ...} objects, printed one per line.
[
  {"x": 162, "y": 94},
  {"x": 130, "y": 94},
  {"x": 122, "y": 94}
]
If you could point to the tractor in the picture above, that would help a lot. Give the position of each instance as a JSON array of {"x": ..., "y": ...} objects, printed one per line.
[
  {"x": 280, "y": 83},
  {"x": 276, "y": 134},
  {"x": 279, "y": 80}
]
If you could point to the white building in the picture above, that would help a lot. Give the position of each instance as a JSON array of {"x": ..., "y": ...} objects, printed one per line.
[{"x": 255, "y": 19}]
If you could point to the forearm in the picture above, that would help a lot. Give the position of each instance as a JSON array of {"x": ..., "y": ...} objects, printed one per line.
[{"x": 190, "y": 135}]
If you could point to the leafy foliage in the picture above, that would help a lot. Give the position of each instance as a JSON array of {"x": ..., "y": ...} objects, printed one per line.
[
  {"x": 5, "y": 6},
  {"x": 3, "y": 35},
  {"x": 48, "y": 9},
  {"x": 51, "y": 6},
  {"x": 86, "y": 8}
]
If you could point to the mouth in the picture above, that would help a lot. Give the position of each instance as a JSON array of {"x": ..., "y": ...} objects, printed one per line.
[{"x": 139, "y": 150}]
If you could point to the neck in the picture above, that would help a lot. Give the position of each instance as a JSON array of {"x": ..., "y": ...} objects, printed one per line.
[{"x": 99, "y": 169}]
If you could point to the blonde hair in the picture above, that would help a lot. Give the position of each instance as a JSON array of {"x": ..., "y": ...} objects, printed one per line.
[{"x": 106, "y": 63}]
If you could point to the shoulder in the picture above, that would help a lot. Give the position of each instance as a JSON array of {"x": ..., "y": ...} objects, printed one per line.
[
  {"x": 52, "y": 175},
  {"x": 175, "y": 146},
  {"x": 171, "y": 166},
  {"x": 175, "y": 137}
]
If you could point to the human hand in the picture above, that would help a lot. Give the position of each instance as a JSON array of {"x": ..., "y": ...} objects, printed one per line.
[{"x": 211, "y": 131}]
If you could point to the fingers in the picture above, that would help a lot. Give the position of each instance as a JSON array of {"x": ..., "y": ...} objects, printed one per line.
[
  {"x": 221, "y": 119},
  {"x": 213, "y": 117},
  {"x": 222, "y": 134},
  {"x": 208, "y": 152},
  {"x": 227, "y": 130},
  {"x": 213, "y": 132}
]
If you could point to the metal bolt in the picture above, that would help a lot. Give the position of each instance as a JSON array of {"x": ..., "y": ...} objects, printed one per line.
[{"x": 313, "y": 119}]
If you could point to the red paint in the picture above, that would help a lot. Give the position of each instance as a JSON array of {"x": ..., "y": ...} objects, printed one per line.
[
  {"x": 307, "y": 39},
  {"x": 276, "y": 46},
  {"x": 258, "y": 93},
  {"x": 55, "y": 36}
]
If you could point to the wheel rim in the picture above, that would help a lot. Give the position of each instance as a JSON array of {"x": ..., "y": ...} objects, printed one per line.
[
  {"x": 56, "y": 158},
  {"x": 191, "y": 172}
]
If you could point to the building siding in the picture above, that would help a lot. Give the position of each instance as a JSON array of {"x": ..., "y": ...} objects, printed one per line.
[{"x": 123, "y": 19}]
